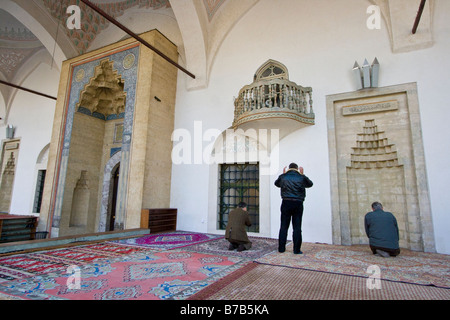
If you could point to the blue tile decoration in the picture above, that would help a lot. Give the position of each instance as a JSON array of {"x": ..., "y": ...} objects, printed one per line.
[
  {"x": 115, "y": 116},
  {"x": 114, "y": 151},
  {"x": 84, "y": 110},
  {"x": 88, "y": 112},
  {"x": 81, "y": 78}
]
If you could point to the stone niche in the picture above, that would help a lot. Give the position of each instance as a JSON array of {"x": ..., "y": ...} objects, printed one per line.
[
  {"x": 115, "y": 110},
  {"x": 8, "y": 162},
  {"x": 376, "y": 154}
]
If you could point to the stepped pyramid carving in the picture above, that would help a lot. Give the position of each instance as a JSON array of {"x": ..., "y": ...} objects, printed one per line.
[{"x": 373, "y": 149}]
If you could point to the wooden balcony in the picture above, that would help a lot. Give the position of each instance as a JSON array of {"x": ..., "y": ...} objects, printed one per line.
[{"x": 274, "y": 104}]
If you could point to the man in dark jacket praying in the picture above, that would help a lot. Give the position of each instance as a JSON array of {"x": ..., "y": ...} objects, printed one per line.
[
  {"x": 292, "y": 184},
  {"x": 382, "y": 230},
  {"x": 236, "y": 232}
]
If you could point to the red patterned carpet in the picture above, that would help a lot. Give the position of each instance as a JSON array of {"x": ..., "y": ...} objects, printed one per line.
[
  {"x": 154, "y": 276},
  {"x": 29, "y": 264}
]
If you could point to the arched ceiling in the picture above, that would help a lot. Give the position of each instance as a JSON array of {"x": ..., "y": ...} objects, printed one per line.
[
  {"x": 92, "y": 24},
  {"x": 35, "y": 31},
  {"x": 30, "y": 29},
  {"x": 17, "y": 44},
  {"x": 201, "y": 26}
]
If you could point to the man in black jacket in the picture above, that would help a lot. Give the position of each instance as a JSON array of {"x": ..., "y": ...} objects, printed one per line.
[{"x": 292, "y": 184}]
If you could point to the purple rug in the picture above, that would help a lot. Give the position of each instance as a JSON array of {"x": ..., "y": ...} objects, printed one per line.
[
  {"x": 167, "y": 241},
  {"x": 260, "y": 247}
]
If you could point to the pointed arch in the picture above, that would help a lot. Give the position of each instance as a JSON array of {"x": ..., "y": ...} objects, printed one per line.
[
  {"x": 107, "y": 175},
  {"x": 194, "y": 40},
  {"x": 40, "y": 24},
  {"x": 271, "y": 69}
]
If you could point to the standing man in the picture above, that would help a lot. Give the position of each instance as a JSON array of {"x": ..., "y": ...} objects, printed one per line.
[
  {"x": 292, "y": 184},
  {"x": 382, "y": 230},
  {"x": 235, "y": 232}
]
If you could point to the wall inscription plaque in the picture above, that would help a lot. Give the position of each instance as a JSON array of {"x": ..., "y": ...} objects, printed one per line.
[{"x": 370, "y": 108}]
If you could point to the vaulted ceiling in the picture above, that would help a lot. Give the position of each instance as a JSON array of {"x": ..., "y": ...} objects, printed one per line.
[
  {"x": 35, "y": 31},
  {"x": 18, "y": 43}
]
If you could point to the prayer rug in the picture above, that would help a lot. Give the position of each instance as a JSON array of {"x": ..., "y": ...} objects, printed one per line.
[
  {"x": 267, "y": 282},
  {"x": 25, "y": 265},
  {"x": 358, "y": 260},
  {"x": 155, "y": 276},
  {"x": 167, "y": 241},
  {"x": 260, "y": 247}
]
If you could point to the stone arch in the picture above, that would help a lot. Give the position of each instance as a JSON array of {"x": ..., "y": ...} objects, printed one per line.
[
  {"x": 194, "y": 41},
  {"x": 107, "y": 190},
  {"x": 43, "y": 156},
  {"x": 203, "y": 28},
  {"x": 23, "y": 13},
  {"x": 28, "y": 67},
  {"x": 399, "y": 16},
  {"x": 239, "y": 146}
]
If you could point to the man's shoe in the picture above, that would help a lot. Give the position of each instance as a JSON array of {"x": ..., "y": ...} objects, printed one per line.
[
  {"x": 382, "y": 253},
  {"x": 231, "y": 247},
  {"x": 299, "y": 252},
  {"x": 241, "y": 248}
]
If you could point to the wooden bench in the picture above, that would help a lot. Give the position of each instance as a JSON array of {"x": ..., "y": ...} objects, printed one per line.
[
  {"x": 159, "y": 220},
  {"x": 17, "y": 228}
]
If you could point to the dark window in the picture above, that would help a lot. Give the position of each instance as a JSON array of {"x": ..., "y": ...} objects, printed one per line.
[
  {"x": 39, "y": 191},
  {"x": 239, "y": 182}
]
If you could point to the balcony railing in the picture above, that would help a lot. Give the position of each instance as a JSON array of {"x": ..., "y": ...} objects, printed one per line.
[{"x": 274, "y": 98}]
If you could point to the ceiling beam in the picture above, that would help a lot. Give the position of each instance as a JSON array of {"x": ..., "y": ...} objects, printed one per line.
[
  {"x": 419, "y": 16},
  {"x": 135, "y": 36},
  {"x": 26, "y": 89}
]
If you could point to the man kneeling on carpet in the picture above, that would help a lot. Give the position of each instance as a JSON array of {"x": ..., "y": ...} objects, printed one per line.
[
  {"x": 382, "y": 230},
  {"x": 236, "y": 232}
]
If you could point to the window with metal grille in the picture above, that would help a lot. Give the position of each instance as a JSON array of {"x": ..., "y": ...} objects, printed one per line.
[
  {"x": 238, "y": 182},
  {"x": 39, "y": 191}
]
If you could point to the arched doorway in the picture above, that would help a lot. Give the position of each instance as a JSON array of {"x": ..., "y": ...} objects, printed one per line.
[
  {"x": 113, "y": 197},
  {"x": 110, "y": 191}
]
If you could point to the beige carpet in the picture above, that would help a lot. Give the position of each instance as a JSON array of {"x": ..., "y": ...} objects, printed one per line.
[
  {"x": 409, "y": 266},
  {"x": 268, "y": 282}
]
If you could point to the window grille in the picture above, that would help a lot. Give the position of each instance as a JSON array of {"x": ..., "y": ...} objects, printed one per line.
[
  {"x": 238, "y": 182},
  {"x": 39, "y": 191}
]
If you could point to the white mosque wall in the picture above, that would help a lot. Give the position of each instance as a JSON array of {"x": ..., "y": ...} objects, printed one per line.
[
  {"x": 32, "y": 117},
  {"x": 319, "y": 44}
]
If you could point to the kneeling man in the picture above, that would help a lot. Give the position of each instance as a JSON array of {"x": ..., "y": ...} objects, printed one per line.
[
  {"x": 236, "y": 232},
  {"x": 382, "y": 230}
]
